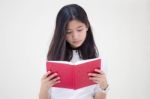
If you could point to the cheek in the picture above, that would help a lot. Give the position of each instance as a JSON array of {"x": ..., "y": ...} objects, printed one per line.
[
  {"x": 84, "y": 35},
  {"x": 68, "y": 38}
]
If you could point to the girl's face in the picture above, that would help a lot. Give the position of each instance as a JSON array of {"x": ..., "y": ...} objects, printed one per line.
[{"x": 76, "y": 33}]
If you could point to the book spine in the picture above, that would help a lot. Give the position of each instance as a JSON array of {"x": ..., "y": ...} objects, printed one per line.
[{"x": 74, "y": 79}]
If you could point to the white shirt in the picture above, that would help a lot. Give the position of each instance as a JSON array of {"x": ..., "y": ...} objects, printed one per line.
[{"x": 82, "y": 93}]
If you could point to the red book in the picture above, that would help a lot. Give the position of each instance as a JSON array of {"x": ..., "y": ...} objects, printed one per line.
[{"x": 74, "y": 75}]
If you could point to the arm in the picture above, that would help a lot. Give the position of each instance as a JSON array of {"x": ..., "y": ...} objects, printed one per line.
[
  {"x": 43, "y": 94},
  {"x": 100, "y": 95},
  {"x": 47, "y": 81},
  {"x": 100, "y": 78}
]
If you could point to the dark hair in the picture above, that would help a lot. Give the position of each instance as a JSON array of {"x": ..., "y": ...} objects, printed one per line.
[{"x": 59, "y": 48}]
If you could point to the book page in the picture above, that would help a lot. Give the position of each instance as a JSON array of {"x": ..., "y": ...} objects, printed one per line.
[{"x": 76, "y": 63}]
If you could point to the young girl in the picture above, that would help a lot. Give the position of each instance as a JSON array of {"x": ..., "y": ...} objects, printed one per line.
[{"x": 73, "y": 41}]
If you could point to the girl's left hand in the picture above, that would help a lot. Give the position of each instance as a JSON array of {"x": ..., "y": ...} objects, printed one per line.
[{"x": 99, "y": 77}]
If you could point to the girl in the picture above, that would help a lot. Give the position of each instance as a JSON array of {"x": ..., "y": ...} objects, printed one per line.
[{"x": 73, "y": 41}]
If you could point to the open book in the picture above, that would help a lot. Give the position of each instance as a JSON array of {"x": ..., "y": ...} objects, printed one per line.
[{"x": 74, "y": 75}]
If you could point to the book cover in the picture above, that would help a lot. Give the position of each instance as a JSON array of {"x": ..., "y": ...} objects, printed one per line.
[{"x": 74, "y": 75}]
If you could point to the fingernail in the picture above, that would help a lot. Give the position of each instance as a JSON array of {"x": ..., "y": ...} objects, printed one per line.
[{"x": 55, "y": 74}]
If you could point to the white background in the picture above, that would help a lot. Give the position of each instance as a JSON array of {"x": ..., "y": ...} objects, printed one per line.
[{"x": 121, "y": 30}]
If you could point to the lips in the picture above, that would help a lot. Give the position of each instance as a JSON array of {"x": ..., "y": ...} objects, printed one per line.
[{"x": 76, "y": 42}]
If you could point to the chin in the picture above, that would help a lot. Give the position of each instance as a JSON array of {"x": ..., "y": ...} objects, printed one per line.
[{"x": 76, "y": 46}]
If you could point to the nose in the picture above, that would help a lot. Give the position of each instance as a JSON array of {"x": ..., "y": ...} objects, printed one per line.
[{"x": 75, "y": 35}]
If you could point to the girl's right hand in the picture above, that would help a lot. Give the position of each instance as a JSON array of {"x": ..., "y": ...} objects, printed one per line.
[{"x": 48, "y": 80}]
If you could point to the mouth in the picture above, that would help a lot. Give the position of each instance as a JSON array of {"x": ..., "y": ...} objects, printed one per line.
[{"x": 76, "y": 42}]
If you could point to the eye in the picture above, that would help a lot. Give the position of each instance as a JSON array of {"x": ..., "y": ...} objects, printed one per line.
[
  {"x": 68, "y": 32},
  {"x": 79, "y": 30}
]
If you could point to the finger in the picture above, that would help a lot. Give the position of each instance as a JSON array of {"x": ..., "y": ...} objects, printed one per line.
[
  {"x": 94, "y": 74},
  {"x": 46, "y": 74},
  {"x": 96, "y": 82},
  {"x": 97, "y": 70},
  {"x": 55, "y": 81},
  {"x": 52, "y": 76},
  {"x": 101, "y": 72},
  {"x": 94, "y": 78}
]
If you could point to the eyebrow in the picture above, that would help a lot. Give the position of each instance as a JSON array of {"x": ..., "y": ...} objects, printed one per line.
[{"x": 77, "y": 27}]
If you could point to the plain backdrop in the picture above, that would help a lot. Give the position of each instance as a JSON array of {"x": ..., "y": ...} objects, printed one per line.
[{"x": 121, "y": 30}]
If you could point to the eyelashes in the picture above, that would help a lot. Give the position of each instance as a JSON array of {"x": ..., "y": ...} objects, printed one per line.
[
  {"x": 79, "y": 30},
  {"x": 68, "y": 32}
]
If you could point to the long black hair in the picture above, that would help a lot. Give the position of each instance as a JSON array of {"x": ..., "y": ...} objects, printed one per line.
[{"x": 59, "y": 48}]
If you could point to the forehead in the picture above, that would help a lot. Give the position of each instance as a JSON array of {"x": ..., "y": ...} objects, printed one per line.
[{"x": 73, "y": 24}]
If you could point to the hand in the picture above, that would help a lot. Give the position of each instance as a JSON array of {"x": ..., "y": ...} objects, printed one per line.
[
  {"x": 48, "y": 80},
  {"x": 99, "y": 77}
]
